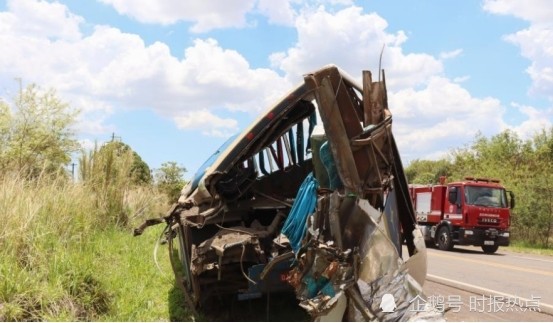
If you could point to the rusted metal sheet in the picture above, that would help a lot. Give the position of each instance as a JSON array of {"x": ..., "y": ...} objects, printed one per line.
[{"x": 247, "y": 216}]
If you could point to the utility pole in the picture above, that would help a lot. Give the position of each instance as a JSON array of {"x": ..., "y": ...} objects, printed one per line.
[
  {"x": 73, "y": 171},
  {"x": 114, "y": 137}
]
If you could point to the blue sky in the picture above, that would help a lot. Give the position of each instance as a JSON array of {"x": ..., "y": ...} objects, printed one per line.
[{"x": 174, "y": 79}]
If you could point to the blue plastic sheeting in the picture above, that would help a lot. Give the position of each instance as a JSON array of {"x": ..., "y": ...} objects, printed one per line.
[
  {"x": 304, "y": 204},
  {"x": 328, "y": 161},
  {"x": 321, "y": 284}
]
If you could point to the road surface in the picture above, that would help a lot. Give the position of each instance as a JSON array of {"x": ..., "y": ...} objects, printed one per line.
[{"x": 505, "y": 286}]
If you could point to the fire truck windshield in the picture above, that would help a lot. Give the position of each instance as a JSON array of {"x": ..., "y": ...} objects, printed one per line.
[{"x": 485, "y": 196}]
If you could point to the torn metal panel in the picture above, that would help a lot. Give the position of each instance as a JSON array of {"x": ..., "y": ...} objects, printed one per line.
[
  {"x": 364, "y": 272},
  {"x": 375, "y": 236},
  {"x": 339, "y": 143}
]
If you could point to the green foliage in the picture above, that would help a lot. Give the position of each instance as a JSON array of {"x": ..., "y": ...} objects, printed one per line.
[
  {"x": 36, "y": 134},
  {"x": 528, "y": 248},
  {"x": 427, "y": 171},
  {"x": 61, "y": 261},
  {"x": 523, "y": 166},
  {"x": 111, "y": 172},
  {"x": 169, "y": 179},
  {"x": 63, "y": 255},
  {"x": 106, "y": 172},
  {"x": 139, "y": 171}
]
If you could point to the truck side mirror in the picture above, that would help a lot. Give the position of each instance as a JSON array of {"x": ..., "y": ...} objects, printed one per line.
[
  {"x": 512, "y": 199},
  {"x": 452, "y": 195}
]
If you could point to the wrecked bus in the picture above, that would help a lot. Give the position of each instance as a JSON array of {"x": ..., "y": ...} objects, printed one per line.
[{"x": 311, "y": 197}]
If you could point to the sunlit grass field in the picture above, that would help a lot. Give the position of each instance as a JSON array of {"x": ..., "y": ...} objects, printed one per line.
[{"x": 62, "y": 258}]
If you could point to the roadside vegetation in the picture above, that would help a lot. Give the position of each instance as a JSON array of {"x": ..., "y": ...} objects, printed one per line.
[
  {"x": 522, "y": 247},
  {"x": 66, "y": 247},
  {"x": 523, "y": 166}
]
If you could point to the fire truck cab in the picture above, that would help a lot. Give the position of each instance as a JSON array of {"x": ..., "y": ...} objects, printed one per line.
[{"x": 475, "y": 211}]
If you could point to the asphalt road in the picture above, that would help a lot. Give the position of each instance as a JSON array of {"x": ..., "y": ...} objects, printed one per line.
[{"x": 504, "y": 286}]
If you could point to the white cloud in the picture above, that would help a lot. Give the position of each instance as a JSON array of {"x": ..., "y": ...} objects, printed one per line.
[
  {"x": 451, "y": 54},
  {"x": 278, "y": 12},
  {"x": 110, "y": 69},
  {"x": 353, "y": 40},
  {"x": 461, "y": 79},
  {"x": 432, "y": 114},
  {"x": 93, "y": 114},
  {"x": 536, "y": 11},
  {"x": 537, "y": 119},
  {"x": 205, "y": 14},
  {"x": 535, "y": 42},
  {"x": 88, "y": 144},
  {"x": 441, "y": 116},
  {"x": 207, "y": 123},
  {"x": 40, "y": 18}
]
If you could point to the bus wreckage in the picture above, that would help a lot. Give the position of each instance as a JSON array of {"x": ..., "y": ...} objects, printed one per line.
[{"x": 312, "y": 198}]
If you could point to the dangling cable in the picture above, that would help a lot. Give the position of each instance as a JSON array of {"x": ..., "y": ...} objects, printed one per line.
[
  {"x": 242, "y": 265},
  {"x": 157, "y": 247}
]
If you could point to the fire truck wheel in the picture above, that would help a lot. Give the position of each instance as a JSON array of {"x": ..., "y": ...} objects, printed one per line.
[
  {"x": 443, "y": 239},
  {"x": 490, "y": 249}
]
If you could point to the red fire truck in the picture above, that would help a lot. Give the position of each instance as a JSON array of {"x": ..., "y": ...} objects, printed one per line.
[{"x": 475, "y": 211}]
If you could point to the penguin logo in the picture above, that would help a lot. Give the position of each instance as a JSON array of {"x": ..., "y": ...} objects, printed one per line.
[{"x": 388, "y": 303}]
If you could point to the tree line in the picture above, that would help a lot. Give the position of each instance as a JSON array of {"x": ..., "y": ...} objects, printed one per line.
[
  {"x": 65, "y": 243},
  {"x": 524, "y": 166},
  {"x": 37, "y": 140}
]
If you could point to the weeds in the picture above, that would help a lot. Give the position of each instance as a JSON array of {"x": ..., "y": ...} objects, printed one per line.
[
  {"x": 63, "y": 259},
  {"x": 525, "y": 247}
]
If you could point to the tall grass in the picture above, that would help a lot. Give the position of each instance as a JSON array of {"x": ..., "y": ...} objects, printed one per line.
[
  {"x": 525, "y": 247},
  {"x": 107, "y": 173},
  {"x": 67, "y": 253}
]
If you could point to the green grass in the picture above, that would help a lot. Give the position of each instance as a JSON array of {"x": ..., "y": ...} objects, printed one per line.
[
  {"x": 141, "y": 291},
  {"x": 110, "y": 277},
  {"x": 63, "y": 258},
  {"x": 524, "y": 247}
]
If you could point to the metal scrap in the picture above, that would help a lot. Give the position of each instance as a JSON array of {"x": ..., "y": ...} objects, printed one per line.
[{"x": 225, "y": 233}]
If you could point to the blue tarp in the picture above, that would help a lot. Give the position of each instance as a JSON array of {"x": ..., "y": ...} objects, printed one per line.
[
  {"x": 304, "y": 204},
  {"x": 328, "y": 161}
]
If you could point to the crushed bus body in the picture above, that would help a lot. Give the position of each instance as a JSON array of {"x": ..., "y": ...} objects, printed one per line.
[{"x": 311, "y": 197}]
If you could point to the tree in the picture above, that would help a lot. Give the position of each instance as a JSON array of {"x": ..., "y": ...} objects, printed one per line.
[
  {"x": 542, "y": 185},
  {"x": 110, "y": 172},
  {"x": 427, "y": 171},
  {"x": 523, "y": 166},
  {"x": 36, "y": 133},
  {"x": 139, "y": 171},
  {"x": 169, "y": 179}
]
